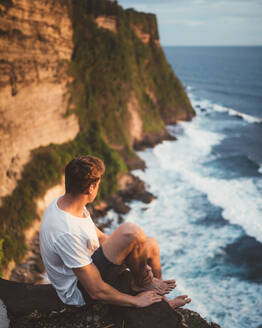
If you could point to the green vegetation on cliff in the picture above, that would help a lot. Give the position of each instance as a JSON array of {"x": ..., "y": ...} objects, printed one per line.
[
  {"x": 42, "y": 172},
  {"x": 109, "y": 68}
]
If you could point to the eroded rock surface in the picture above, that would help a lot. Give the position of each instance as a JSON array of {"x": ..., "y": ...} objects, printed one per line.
[{"x": 35, "y": 50}]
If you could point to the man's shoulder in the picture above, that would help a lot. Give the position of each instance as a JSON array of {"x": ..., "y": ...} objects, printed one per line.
[
  {"x": 51, "y": 216},
  {"x": 52, "y": 208}
]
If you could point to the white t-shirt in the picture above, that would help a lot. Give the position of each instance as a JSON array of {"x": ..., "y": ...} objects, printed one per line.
[{"x": 66, "y": 242}]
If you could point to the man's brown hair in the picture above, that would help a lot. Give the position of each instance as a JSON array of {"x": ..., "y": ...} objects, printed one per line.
[{"x": 82, "y": 172}]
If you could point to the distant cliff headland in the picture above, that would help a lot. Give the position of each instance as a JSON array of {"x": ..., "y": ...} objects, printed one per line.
[{"x": 77, "y": 77}]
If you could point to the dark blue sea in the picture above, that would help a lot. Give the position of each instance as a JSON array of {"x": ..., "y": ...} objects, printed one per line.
[{"x": 207, "y": 216}]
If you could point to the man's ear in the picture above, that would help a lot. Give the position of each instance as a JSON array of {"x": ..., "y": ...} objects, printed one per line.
[
  {"x": 91, "y": 188},
  {"x": 88, "y": 190}
]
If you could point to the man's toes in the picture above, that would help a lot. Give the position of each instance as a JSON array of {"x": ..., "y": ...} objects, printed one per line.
[
  {"x": 179, "y": 301},
  {"x": 185, "y": 298},
  {"x": 170, "y": 282}
]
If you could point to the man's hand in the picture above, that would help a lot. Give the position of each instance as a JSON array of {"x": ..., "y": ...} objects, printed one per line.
[
  {"x": 147, "y": 298},
  {"x": 91, "y": 280}
]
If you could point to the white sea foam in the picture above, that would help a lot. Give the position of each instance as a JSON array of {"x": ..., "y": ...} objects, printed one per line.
[
  {"x": 4, "y": 321},
  {"x": 233, "y": 112},
  {"x": 201, "y": 141},
  {"x": 240, "y": 199},
  {"x": 202, "y": 103},
  {"x": 260, "y": 168},
  {"x": 207, "y": 104}
]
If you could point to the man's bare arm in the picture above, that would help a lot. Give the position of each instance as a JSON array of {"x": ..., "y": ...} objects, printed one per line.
[
  {"x": 101, "y": 235},
  {"x": 91, "y": 280}
]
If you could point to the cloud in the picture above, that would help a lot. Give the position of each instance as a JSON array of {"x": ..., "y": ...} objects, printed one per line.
[
  {"x": 234, "y": 19},
  {"x": 188, "y": 23},
  {"x": 193, "y": 23}
]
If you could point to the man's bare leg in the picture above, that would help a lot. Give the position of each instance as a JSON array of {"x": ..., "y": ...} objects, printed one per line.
[
  {"x": 153, "y": 257},
  {"x": 153, "y": 260},
  {"x": 128, "y": 242}
]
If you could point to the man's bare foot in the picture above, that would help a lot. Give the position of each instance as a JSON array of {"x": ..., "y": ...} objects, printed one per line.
[
  {"x": 179, "y": 301},
  {"x": 161, "y": 287}
]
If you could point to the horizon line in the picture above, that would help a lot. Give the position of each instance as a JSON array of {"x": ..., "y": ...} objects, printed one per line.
[{"x": 211, "y": 45}]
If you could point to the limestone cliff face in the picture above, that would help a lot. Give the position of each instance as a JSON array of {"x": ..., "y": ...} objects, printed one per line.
[
  {"x": 35, "y": 48},
  {"x": 107, "y": 22},
  {"x": 144, "y": 37}
]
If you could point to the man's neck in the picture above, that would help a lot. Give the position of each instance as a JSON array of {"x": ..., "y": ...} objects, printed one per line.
[{"x": 73, "y": 204}]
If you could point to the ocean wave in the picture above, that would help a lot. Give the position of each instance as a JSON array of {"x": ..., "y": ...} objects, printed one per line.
[
  {"x": 200, "y": 103},
  {"x": 233, "y": 112},
  {"x": 199, "y": 142},
  {"x": 233, "y": 166},
  {"x": 218, "y": 86},
  {"x": 260, "y": 168},
  {"x": 246, "y": 254},
  {"x": 232, "y": 93},
  {"x": 207, "y": 104},
  {"x": 239, "y": 198}
]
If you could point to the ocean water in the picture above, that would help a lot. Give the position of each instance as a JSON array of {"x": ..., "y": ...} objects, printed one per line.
[{"x": 207, "y": 216}]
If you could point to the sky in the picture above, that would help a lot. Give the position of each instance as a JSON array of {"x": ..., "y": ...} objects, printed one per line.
[{"x": 204, "y": 22}]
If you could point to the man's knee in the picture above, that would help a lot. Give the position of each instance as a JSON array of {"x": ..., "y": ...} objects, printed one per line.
[
  {"x": 133, "y": 233},
  {"x": 152, "y": 245}
]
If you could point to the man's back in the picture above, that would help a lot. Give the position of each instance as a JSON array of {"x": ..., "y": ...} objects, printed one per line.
[{"x": 66, "y": 242}]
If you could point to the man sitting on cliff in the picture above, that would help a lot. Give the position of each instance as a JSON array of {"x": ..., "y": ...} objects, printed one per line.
[{"x": 79, "y": 258}]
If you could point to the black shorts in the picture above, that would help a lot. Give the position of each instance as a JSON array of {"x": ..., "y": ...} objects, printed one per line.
[{"x": 108, "y": 270}]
